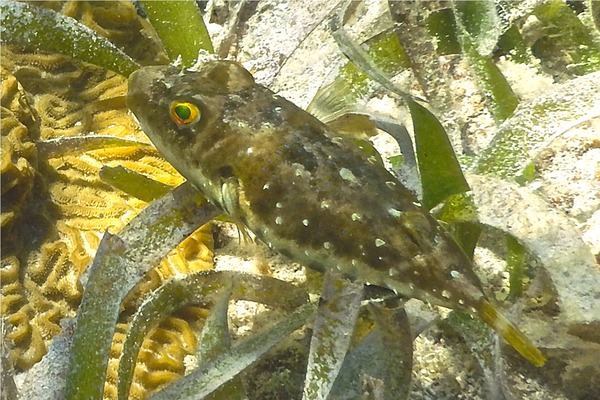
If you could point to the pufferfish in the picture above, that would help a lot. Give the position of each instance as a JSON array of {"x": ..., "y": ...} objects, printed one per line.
[{"x": 303, "y": 190}]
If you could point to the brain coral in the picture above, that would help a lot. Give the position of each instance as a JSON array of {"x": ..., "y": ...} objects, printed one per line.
[{"x": 55, "y": 206}]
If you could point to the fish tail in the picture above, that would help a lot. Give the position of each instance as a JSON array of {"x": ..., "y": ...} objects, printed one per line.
[{"x": 511, "y": 334}]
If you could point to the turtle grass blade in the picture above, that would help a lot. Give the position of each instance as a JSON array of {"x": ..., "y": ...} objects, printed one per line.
[
  {"x": 119, "y": 263},
  {"x": 481, "y": 342},
  {"x": 47, "y": 378},
  {"x": 338, "y": 310},
  {"x": 390, "y": 343},
  {"x": 437, "y": 161},
  {"x": 215, "y": 337},
  {"x": 516, "y": 261},
  {"x": 180, "y": 27},
  {"x": 39, "y": 29},
  {"x": 594, "y": 7},
  {"x": 567, "y": 34},
  {"x": 351, "y": 83},
  {"x": 402, "y": 137},
  {"x": 7, "y": 373},
  {"x": 134, "y": 183},
  {"x": 198, "y": 289},
  {"x": 358, "y": 56},
  {"x": 535, "y": 124},
  {"x": 208, "y": 377},
  {"x": 556, "y": 242},
  {"x": 478, "y": 32},
  {"x": 480, "y": 21},
  {"x": 203, "y": 288},
  {"x": 441, "y": 175},
  {"x": 424, "y": 45},
  {"x": 62, "y": 146},
  {"x": 214, "y": 340}
]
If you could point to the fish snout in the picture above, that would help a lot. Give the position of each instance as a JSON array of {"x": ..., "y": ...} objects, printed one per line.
[{"x": 142, "y": 87}]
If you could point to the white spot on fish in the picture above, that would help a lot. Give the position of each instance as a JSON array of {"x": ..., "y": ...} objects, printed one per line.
[
  {"x": 354, "y": 262},
  {"x": 300, "y": 170},
  {"x": 307, "y": 252},
  {"x": 266, "y": 186},
  {"x": 325, "y": 204},
  {"x": 379, "y": 242},
  {"x": 393, "y": 272},
  {"x": 278, "y": 205},
  {"x": 454, "y": 274},
  {"x": 347, "y": 175},
  {"x": 278, "y": 220},
  {"x": 446, "y": 294},
  {"x": 249, "y": 151},
  {"x": 394, "y": 213},
  {"x": 461, "y": 302},
  {"x": 356, "y": 217},
  {"x": 411, "y": 286},
  {"x": 420, "y": 260},
  {"x": 416, "y": 203},
  {"x": 305, "y": 222},
  {"x": 327, "y": 245},
  {"x": 390, "y": 183}
]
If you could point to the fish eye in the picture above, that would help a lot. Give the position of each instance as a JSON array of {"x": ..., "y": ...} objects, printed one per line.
[{"x": 184, "y": 113}]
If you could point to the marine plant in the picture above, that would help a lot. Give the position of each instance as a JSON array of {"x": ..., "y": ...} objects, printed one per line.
[{"x": 559, "y": 315}]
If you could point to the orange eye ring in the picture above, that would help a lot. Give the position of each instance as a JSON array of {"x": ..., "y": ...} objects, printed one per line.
[{"x": 184, "y": 113}]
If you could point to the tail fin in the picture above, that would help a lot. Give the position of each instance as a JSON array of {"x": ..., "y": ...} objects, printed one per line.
[{"x": 511, "y": 334}]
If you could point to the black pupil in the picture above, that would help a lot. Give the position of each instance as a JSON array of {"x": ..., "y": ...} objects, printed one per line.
[{"x": 183, "y": 112}]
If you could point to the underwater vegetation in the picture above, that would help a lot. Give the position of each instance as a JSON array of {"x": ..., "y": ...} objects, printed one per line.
[{"x": 127, "y": 313}]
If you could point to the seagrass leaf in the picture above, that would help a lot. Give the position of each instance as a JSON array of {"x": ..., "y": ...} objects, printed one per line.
[
  {"x": 119, "y": 263},
  {"x": 338, "y": 310},
  {"x": 39, "y": 29}
]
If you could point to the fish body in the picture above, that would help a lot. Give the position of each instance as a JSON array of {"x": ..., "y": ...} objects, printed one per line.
[{"x": 302, "y": 189}]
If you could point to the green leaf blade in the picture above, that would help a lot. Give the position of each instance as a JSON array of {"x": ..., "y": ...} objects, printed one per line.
[
  {"x": 478, "y": 33},
  {"x": 338, "y": 311},
  {"x": 535, "y": 124},
  {"x": 118, "y": 264},
  {"x": 210, "y": 376},
  {"x": 40, "y": 29},
  {"x": 180, "y": 27},
  {"x": 133, "y": 183},
  {"x": 441, "y": 175}
]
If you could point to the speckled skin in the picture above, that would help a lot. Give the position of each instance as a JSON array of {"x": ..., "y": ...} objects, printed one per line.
[{"x": 292, "y": 181}]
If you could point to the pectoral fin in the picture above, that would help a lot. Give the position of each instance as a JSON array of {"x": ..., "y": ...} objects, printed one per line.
[{"x": 230, "y": 196}]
